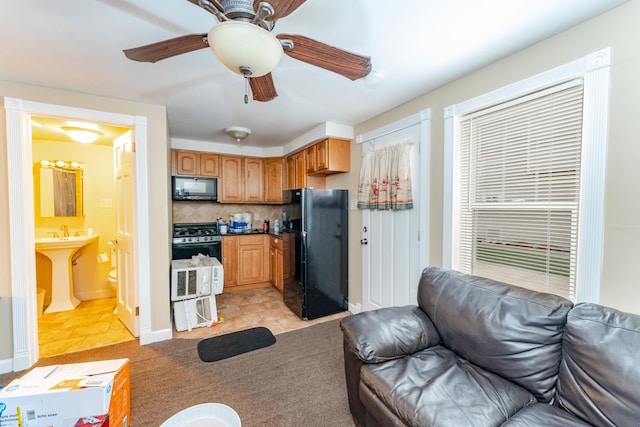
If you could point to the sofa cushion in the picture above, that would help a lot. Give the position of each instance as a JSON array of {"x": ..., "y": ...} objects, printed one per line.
[
  {"x": 514, "y": 332},
  {"x": 388, "y": 333},
  {"x": 543, "y": 414},
  {"x": 435, "y": 387},
  {"x": 600, "y": 369}
]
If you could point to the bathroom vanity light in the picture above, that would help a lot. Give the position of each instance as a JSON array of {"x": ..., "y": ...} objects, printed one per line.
[{"x": 61, "y": 164}]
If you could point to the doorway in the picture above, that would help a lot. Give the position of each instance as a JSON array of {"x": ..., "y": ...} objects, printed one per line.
[
  {"x": 96, "y": 201},
  {"x": 394, "y": 243},
  {"x": 21, "y": 206}
]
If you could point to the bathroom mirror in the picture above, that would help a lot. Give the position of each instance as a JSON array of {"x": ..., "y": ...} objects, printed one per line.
[{"x": 61, "y": 188}]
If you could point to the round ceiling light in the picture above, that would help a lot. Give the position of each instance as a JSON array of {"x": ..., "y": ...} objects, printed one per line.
[
  {"x": 238, "y": 132},
  {"x": 241, "y": 44}
]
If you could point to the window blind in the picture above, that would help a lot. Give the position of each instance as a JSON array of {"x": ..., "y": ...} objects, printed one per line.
[{"x": 519, "y": 190}]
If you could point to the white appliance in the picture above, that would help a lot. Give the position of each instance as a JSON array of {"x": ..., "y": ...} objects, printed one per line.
[
  {"x": 195, "y": 313},
  {"x": 190, "y": 278}
]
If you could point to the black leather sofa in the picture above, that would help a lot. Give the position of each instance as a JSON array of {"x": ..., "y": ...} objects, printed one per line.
[{"x": 476, "y": 352}]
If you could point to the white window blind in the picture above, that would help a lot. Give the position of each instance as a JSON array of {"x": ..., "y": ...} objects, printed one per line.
[{"x": 520, "y": 186}]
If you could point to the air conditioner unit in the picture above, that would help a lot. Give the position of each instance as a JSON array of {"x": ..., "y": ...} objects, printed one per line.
[
  {"x": 195, "y": 313},
  {"x": 190, "y": 278}
]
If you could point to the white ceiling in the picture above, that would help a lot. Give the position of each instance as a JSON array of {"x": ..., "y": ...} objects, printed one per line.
[{"x": 415, "y": 46}]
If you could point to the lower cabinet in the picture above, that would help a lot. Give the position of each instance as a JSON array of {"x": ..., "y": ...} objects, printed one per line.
[
  {"x": 276, "y": 255},
  {"x": 230, "y": 260},
  {"x": 245, "y": 260}
]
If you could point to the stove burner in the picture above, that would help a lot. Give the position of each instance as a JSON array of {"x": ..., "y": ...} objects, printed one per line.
[{"x": 195, "y": 233}]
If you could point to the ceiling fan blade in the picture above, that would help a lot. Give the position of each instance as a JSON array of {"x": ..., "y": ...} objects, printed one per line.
[
  {"x": 262, "y": 88},
  {"x": 330, "y": 58},
  {"x": 282, "y": 7},
  {"x": 213, "y": 3},
  {"x": 166, "y": 49}
]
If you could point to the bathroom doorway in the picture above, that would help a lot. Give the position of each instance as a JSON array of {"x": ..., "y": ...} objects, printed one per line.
[
  {"x": 95, "y": 321},
  {"x": 21, "y": 208}
]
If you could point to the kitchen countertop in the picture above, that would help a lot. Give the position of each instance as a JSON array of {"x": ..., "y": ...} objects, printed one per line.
[{"x": 254, "y": 231}]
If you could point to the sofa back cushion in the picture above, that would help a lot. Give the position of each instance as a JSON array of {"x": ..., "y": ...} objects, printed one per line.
[
  {"x": 600, "y": 369},
  {"x": 511, "y": 331}
]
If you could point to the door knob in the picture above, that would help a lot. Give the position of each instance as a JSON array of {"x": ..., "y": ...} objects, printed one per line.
[{"x": 364, "y": 241}]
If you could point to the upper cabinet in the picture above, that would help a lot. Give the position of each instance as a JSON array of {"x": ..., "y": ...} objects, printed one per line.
[
  {"x": 253, "y": 180},
  {"x": 274, "y": 179},
  {"x": 261, "y": 180},
  {"x": 193, "y": 163},
  {"x": 231, "y": 185},
  {"x": 329, "y": 156}
]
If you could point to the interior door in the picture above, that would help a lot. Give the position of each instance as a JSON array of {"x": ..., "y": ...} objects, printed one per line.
[
  {"x": 391, "y": 239},
  {"x": 124, "y": 158}
]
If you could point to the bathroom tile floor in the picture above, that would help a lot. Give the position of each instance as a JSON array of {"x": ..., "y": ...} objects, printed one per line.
[{"x": 93, "y": 324}]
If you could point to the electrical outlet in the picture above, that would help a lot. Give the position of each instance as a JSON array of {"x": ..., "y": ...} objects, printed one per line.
[{"x": 354, "y": 204}]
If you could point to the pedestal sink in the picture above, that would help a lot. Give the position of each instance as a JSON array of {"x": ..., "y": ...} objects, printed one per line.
[{"x": 60, "y": 251}]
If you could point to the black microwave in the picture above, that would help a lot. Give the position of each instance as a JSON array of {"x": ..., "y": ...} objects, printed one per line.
[{"x": 194, "y": 188}]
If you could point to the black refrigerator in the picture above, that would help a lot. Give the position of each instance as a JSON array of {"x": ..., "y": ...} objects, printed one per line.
[{"x": 317, "y": 225}]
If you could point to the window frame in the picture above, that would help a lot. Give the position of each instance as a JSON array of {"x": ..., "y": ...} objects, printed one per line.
[{"x": 594, "y": 70}]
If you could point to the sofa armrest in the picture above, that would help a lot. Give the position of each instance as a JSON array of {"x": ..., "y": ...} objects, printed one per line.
[{"x": 388, "y": 333}]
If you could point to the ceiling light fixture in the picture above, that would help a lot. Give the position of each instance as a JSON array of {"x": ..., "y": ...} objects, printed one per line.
[
  {"x": 82, "y": 135},
  {"x": 240, "y": 45},
  {"x": 238, "y": 132}
]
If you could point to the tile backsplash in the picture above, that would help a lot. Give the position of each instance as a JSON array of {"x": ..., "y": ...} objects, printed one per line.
[{"x": 186, "y": 212}]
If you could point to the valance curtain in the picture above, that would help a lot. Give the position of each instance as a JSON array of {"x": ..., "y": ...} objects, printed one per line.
[{"x": 385, "y": 178}]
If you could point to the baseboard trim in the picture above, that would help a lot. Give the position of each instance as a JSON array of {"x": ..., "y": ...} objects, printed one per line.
[
  {"x": 6, "y": 366},
  {"x": 355, "y": 308},
  {"x": 155, "y": 336}
]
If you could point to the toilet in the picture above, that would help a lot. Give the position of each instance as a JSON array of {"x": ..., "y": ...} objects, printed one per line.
[
  {"x": 113, "y": 278},
  {"x": 113, "y": 274}
]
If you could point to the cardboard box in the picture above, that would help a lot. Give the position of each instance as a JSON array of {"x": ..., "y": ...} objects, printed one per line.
[{"x": 63, "y": 395}]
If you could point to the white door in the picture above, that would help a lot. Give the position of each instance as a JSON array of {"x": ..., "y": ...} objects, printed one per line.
[
  {"x": 124, "y": 156},
  {"x": 393, "y": 253}
]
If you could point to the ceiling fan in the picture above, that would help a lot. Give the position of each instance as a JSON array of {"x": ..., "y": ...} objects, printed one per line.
[{"x": 243, "y": 42}]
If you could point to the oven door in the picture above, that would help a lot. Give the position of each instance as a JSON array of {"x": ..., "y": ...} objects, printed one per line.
[{"x": 187, "y": 250}]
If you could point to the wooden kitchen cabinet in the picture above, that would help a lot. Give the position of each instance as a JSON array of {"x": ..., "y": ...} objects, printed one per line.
[
  {"x": 290, "y": 181},
  {"x": 253, "y": 180},
  {"x": 329, "y": 156},
  {"x": 297, "y": 176},
  {"x": 230, "y": 258},
  {"x": 245, "y": 259},
  {"x": 276, "y": 256},
  {"x": 274, "y": 177},
  {"x": 210, "y": 164},
  {"x": 310, "y": 161},
  {"x": 253, "y": 259},
  {"x": 231, "y": 187},
  {"x": 193, "y": 163}
]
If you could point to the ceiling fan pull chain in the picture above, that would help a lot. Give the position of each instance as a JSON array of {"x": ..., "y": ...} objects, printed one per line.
[
  {"x": 246, "y": 72},
  {"x": 246, "y": 89}
]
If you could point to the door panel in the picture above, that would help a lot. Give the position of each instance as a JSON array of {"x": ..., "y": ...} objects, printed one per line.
[
  {"x": 391, "y": 265},
  {"x": 127, "y": 305}
]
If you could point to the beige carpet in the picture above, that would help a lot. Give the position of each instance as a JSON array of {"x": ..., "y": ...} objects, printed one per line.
[{"x": 298, "y": 381}]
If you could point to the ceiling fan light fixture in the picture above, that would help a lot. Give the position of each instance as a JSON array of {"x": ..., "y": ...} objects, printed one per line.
[
  {"x": 238, "y": 132},
  {"x": 242, "y": 44},
  {"x": 82, "y": 135}
]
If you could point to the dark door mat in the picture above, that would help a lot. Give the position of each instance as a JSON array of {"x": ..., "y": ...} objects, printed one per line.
[{"x": 235, "y": 343}]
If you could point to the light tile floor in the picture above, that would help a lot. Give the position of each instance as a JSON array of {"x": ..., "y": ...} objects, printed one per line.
[
  {"x": 251, "y": 308},
  {"x": 93, "y": 324}
]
